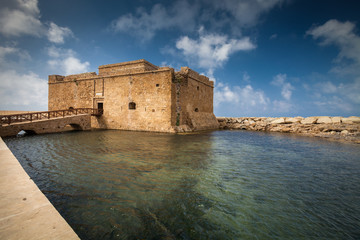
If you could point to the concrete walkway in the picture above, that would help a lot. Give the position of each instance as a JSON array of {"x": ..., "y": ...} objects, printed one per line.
[{"x": 25, "y": 212}]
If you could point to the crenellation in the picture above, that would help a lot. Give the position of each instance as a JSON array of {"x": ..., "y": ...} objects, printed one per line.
[
  {"x": 138, "y": 95},
  {"x": 196, "y": 76},
  {"x": 127, "y": 68},
  {"x": 55, "y": 78},
  {"x": 80, "y": 76}
]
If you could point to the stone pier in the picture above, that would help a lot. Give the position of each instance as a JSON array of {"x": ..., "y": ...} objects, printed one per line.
[
  {"x": 334, "y": 128},
  {"x": 25, "y": 212}
]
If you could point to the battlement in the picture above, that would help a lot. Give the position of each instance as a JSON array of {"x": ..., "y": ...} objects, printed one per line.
[
  {"x": 80, "y": 76},
  {"x": 196, "y": 76},
  {"x": 138, "y": 95},
  {"x": 59, "y": 78},
  {"x": 55, "y": 78},
  {"x": 137, "y": 66}
]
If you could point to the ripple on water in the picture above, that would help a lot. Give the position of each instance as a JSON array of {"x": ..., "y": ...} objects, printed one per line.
[{"x": 214, "y": 185}]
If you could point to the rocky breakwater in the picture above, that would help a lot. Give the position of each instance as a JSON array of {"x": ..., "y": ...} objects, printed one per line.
[{"x": 336, "y": 128}]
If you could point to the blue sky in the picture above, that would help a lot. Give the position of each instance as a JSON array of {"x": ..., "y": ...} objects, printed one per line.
[{"x": 267, "y": 58}]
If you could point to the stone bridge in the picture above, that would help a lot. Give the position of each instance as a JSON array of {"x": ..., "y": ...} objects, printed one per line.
[{"x": 47, "y": 122}]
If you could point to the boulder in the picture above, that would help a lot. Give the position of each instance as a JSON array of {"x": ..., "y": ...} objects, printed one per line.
[
  {"x": 269, "y": 119},
  {"x": 286, "y": 129},
  {"x": 293, "y": 120},
  {"x": 351, "y": 120},
  {"x": 309, "y": 120},
  {"x": 344, "y": 132},
  {"x": 346, "y": 120},
  {"x": 324, "y": 120},
  {"x": 278, "y": 121},
  {"x": 336, "y": 119}
]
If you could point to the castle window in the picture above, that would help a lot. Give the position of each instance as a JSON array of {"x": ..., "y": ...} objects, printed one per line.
[
  {"x": 100, "y": 106},
  {"x": 157, "y": 85},
  {"x": 198, "y": 88},
  {"x": 196, "y": 109},
  {"x": 132, "y": 105}
]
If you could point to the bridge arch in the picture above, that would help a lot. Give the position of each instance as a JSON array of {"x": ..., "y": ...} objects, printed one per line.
[
  {"x": 24, "y": 132},
  {"x": 73, "y": 127}
]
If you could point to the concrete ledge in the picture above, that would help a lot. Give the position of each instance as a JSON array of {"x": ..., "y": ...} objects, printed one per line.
[{"x": 25, "y": 212}]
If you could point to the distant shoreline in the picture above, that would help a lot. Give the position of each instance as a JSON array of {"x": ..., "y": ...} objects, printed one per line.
[{"x": 332, "y": 128}]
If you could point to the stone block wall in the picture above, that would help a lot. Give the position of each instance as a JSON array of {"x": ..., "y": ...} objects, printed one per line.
[{"x": 138, "y": 95}]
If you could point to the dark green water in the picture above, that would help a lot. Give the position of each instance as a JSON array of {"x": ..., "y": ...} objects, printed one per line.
[{"x": 213, "y": 185}]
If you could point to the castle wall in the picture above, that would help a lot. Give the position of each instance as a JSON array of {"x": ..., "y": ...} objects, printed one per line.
[
  {"x": 75, "y": 94},
  {"x": 164, "y": 101},
  {"x": 151, "y": 93},
  {"x": 196, "y": 100}
]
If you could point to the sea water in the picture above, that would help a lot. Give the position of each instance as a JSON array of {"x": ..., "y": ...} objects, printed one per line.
[{"x": 209, "y": 185}]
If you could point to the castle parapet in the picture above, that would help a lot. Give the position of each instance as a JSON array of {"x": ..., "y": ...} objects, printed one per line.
[
  {"x": 196, "y": 76},
  {"x": 137, "y": 66},
  {"x": 55, "y": 78},
  {"x": 80, "y": 76}
]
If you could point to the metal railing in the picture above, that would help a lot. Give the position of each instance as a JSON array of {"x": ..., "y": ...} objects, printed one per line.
[{"x": 34, "y": 116}]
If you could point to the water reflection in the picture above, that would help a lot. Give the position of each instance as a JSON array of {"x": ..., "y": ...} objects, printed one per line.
[{"x": 213, "y": 185}]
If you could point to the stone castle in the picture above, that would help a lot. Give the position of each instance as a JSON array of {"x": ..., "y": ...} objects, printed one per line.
[{"x": 138, "y": 95}]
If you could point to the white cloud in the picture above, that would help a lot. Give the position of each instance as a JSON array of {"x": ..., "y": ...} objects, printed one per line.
[
  {"x": 185, "y": 16},
  {"x": 246, "y": 77},
  {"x": 143, "y": 24},
  {"x": 337, "y": 98},
  {"x": 21, "y": 17},
  {"x": 10, "y": 56},
  {"x": 274, "y": 36},
  {"x": 346, "y": 91},
  {"x": 282, "y": 106},
  {"x": 344, "y": 96},
  {"x": 327, "y": 87},
  {"x": 57, "y": 34},
  {"x": 210, "y": 51},
  {"x": 286, "y": 88},
  {"x": 246, "y": 12},
  {"x": 342, "y": 35},
  {"x": 245, "y": 99},
  {"x": 334, "y": 104},
  {"x": 4, "y": 51},
  {"x": 22, "y": 91},
  {"x": 66, "y": 62}
]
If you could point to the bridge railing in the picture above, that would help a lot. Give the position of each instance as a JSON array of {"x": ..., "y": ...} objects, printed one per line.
[{"x": 34, "y": 116}]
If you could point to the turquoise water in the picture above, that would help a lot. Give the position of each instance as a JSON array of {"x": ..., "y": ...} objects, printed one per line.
[{"x": 211, "y": 185}]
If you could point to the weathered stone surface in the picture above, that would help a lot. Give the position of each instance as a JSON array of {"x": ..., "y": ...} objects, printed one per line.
[
  {"x": 293, "y": 120},
  {"x": 344, "y": 132},
  {"x": 80, "y": 122},
  {"x": 324, "y": 120},
  {"x": 25, "y": 212},
  {"x": 336, "y": 119},
  {"x": 309, "y": 120},
  {"x": 334, "y": 130},
  {"x": 278, "y": 121},
  {"x": 138, "y": 95},
  {"x": 351, "y": 120}
]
